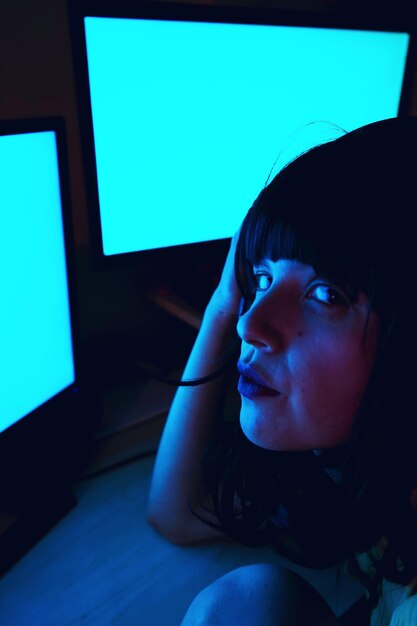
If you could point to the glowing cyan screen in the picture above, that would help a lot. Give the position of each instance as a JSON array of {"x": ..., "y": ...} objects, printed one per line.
[
  {"x": 190, "y": 117},
  {"x": 36, "y": 355}
]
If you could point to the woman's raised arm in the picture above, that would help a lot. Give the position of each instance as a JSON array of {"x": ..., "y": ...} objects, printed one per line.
[{"x": 191, "y": 420}]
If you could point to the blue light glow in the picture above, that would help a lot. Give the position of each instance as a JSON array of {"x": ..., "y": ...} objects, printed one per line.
[
  {"x": 36, "y": 356},
  {"x": 189, "y": 117}
]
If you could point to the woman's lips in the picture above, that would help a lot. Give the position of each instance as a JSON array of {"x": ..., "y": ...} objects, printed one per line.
[{"x": 252, "y": 385}]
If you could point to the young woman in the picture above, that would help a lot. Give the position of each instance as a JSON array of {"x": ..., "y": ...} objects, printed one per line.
[{"x": 320, "y": 285}]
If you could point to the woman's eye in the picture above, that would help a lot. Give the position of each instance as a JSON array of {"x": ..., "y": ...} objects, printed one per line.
[
  {"x": 327, "y": 295},
  {"x": 262, "y": 281}
]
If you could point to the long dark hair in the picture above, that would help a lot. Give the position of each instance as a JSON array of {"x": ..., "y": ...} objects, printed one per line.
[{"x": 347, "y": 208}]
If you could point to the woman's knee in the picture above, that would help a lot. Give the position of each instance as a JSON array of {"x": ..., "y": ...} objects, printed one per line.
[
  {"x": 221, "y": 602},
  {"x": 258, "y": 594}
]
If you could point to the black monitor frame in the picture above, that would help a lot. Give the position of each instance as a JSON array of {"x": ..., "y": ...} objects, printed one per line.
[
  {"x": 205, "y": 252},
  {"x": 41, "y": 450}
]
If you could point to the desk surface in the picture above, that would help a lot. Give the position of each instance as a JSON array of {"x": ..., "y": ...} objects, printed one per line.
[{"x": 103, "y": 564}]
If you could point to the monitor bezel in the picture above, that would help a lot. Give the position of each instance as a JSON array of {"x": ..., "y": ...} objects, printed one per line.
[
  {"x": 211, "y": 251},
  {"x": 38, "y": 446}
]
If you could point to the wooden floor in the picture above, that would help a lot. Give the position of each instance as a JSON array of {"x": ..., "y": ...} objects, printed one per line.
[{"x": 102, "y": 564}]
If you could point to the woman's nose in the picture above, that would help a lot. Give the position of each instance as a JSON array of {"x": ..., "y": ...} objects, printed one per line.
[{"x": 263, "y": 325}]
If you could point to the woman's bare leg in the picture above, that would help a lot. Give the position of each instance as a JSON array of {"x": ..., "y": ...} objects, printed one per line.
[{"x": 259, "y": 595}]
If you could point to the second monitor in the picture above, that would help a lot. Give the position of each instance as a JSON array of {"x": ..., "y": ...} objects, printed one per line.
[{"x": 186, "y": 108}]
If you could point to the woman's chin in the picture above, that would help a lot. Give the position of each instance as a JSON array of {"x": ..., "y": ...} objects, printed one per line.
[{"x": 258, "y": 433}]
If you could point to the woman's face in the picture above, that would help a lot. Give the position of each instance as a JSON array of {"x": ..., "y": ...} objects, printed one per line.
[{"x": 305, "y": 360}]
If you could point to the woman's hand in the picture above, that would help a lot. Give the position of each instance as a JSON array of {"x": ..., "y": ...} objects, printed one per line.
[{"x": 226, "y": 298}]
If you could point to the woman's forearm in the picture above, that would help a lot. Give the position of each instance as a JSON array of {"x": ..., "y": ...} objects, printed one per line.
[{"x": 176, "y": 479}]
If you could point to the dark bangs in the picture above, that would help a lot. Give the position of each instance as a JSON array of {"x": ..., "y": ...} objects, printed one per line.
[{"x": 308, "y": 219}]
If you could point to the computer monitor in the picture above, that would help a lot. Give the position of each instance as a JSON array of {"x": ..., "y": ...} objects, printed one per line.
[
  {"x": 41, "y": 394},
  {"x": 184, "y": 109}
]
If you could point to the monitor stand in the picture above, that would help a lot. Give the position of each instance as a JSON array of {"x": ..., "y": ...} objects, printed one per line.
[
  {"x": 182, "y": 292},
  {"x": 174, "y": 304}
]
